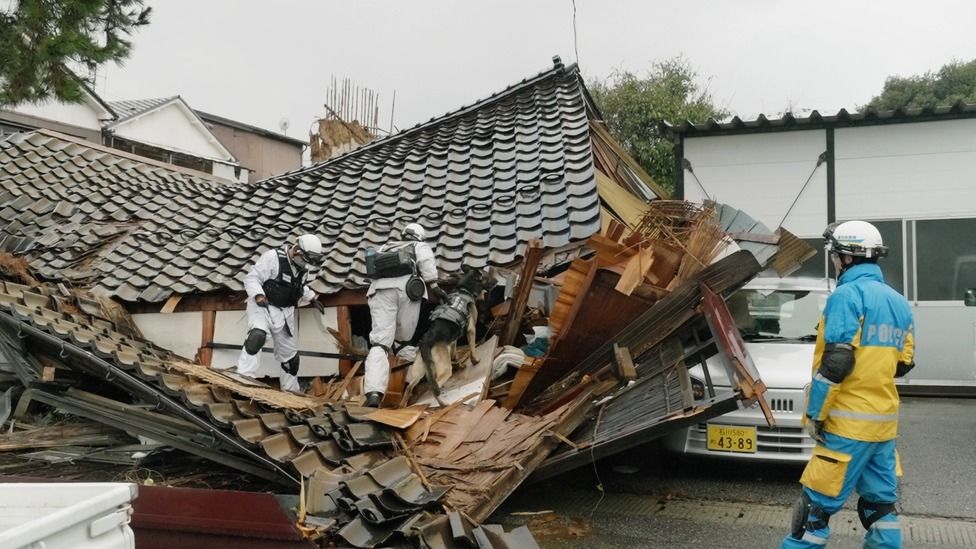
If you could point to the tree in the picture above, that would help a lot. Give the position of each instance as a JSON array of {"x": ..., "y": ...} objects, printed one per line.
[
  {"x": 41, "y": 41},
  {"x": 633, "y": 107},
  {"x": 955, "y": 81}
]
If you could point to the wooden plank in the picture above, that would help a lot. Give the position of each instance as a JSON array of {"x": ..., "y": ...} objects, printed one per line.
[
  {"x": 344, "y": 321},
  {"x": 521, "y": 381},
  {"x": 625, "y": 363},
  {"x": 636, "y": 270},
  {"x": 171, "y": 303},
  {"x": 205, "y": 353},
  {"x": 620, "y": 153},
  {"x": 581, "y": 297},
  {"x": 615, "y": 230},
  {"x": 400, "y": 418},
  {"x": 520, "y": 296}
]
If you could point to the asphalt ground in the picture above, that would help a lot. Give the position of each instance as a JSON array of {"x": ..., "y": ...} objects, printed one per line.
[{"x": 649, "y": 498}]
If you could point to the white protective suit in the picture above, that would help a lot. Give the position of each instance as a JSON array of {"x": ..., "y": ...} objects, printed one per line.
[
  {"x": 277, "y": 322},
  {"x": 394, "y": 316}
]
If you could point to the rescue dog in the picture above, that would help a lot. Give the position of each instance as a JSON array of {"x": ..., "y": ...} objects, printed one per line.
[{"x": 438, "y": 345}]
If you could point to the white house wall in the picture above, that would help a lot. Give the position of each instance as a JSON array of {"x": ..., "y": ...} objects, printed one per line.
[
  {"x": 177, "y": 332},
  {"x": 82, "y": 115},
  {"x": 171, "y": 128},
  {"x": 231, "y": 328},
  {"x": 919, "y": 170},
  {"x": 761, "y": 174}
]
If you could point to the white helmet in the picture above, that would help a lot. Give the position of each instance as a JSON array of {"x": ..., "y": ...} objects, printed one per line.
[
  {"x": 855, "y": 238},
  {"x": 310, "y": 248},
  {"x": 413, "y": 231}
]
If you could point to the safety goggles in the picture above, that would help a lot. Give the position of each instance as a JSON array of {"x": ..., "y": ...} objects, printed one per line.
[{"x": 310, "y": 258}]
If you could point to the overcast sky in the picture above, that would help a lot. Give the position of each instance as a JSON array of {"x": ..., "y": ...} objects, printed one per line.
[{"x": 261, "y": 61}]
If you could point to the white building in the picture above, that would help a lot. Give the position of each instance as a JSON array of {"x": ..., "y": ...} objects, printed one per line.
[{"x": 910, "y": 172}]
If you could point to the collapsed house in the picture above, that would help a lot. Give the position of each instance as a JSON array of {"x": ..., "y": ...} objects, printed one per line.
[{"x": 122, "y": 297}]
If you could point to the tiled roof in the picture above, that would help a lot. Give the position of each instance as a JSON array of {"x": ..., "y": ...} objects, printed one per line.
[
  {"x": 483, "y": 181},
  {"x": 814, "y": 119},
  {"x": 128, "y": 108},
  {"x": 359, "y": 478}
]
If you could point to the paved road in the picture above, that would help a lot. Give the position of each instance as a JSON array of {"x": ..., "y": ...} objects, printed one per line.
[{"x": 680, "y": 502}]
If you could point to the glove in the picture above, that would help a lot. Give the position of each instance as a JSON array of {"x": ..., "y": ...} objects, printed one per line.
[
  {"x": 261, "y": 301},
  {"x": 901, "y": 369},
  {"x": 815, "y": 429},
  {"x": 441, "y": 294},
  {"x": 318, "y": 306}
]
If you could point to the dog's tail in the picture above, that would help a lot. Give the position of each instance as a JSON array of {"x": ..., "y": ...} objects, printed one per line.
[{"x": 426, "y": 344}]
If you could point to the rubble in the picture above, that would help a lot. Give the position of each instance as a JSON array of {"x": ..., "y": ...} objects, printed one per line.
[{"x": 622, "y": 290}]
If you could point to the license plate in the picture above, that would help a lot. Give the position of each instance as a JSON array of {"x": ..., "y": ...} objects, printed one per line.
[{"x": 732, "y": 438}]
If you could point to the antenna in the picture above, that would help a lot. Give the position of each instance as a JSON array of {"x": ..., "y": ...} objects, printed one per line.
[{"x": 283, "y": 125}]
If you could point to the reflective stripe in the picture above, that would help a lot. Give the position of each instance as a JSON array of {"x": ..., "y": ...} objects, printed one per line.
[
  {"x": 867, "y": 417},
  {"x": 886, "y": 525},
  {"x": 819, "y": 377},
  {"x": 816, "y": 540}
]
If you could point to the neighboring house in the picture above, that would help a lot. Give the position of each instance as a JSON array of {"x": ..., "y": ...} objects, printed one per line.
[
  {"x": 167, "y": 129},
  {"x": 909, "y": 172},
  {"x": 84, "y": 119},
  {"x": 533, "y": 162},
  {"x": 263, "y": 153},
  {"x": 164, "y": 129}
]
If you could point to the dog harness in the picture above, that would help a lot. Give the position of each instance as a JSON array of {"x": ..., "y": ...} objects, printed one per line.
[{"x": 455, "y": 310}]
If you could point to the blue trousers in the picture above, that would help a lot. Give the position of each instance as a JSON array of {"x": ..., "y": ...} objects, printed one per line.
[{"x": 872, "y": 472}]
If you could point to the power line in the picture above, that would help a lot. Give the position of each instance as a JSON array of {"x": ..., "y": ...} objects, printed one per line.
[{"x": 575, "y": 41}]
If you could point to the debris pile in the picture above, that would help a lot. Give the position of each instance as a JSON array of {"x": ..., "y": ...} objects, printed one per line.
[{"x": 121, "y": 294}]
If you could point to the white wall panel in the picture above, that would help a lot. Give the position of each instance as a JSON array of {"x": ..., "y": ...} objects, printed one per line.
[
  {"x": 83, "y": 115},
  {"x": 762, "y": 174},
  {"x": 231, "y": 328},
  {"x": 171, "y": 128},
  {"x": 178, "y": 332},
  {"x": 926, "y": 169}
]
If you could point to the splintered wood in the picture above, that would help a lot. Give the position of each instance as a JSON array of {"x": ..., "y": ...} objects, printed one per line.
[
  {"x": 484, "y": 452},
  {"x": 688, "y": 227},
  {"x": 82, "y": 433},
  {"x": 250, "y": 389}
]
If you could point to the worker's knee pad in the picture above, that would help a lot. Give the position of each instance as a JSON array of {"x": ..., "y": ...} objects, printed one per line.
[
  {"x": 255, "y": 341},
  {"x": 802, "y": 521},
  {"x": 870, "y": 512},
  {"x": 291, "y": 366}
]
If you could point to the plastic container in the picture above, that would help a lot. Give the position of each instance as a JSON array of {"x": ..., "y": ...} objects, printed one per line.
[{"x": 66, "y": 515}]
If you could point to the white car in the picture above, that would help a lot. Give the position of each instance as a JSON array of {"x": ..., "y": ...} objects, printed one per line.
[{"x": 778, "y": 320}]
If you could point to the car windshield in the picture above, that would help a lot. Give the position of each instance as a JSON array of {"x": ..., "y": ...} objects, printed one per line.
[{"x": 777, "y": 314}]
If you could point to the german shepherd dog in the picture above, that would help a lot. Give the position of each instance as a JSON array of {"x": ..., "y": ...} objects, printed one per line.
[{"x": 438, "y": 345}]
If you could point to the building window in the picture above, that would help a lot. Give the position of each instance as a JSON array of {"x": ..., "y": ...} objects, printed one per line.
[
  {"x": 893, "y": 266},
  {"x": 946, "y": 261},
  {"x": 816, "y": 266}
]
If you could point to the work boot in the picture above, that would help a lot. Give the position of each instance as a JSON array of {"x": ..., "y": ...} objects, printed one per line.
[{"x": 373, "y": 399}]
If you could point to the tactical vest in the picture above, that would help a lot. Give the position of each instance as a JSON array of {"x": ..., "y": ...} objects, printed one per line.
[
  {"x": 455, "y": 310},
  {"x": 287, "y": 288}
]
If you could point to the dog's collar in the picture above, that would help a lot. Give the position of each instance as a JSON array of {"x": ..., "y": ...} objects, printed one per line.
[{"x": 465, "y": 291}]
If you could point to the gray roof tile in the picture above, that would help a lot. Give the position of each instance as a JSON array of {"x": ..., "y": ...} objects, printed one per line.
[{"x": 482, "y": 180}]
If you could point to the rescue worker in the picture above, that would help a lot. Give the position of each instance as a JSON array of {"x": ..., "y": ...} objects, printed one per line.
[
  {"x": 401, "y": 272},
  {"x": 865, "y": 340},
  {"x": 275, "y": 285}
]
